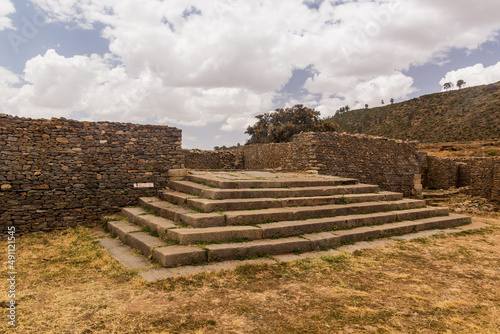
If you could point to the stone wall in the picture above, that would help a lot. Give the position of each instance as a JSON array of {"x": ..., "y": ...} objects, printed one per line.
[
  {"x": 495, "y": 192},
  {"x": 480, "y": 175},
  {"x": 58, "y": 173},
  {"x": 394, "y": 165},
  {"x": 442, "y": 173},
  {"x": 222, "y": 159},
  {"x": 270, "y": 156}
]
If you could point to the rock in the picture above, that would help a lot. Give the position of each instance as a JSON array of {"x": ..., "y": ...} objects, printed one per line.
[{"x": 6, "y": 187}]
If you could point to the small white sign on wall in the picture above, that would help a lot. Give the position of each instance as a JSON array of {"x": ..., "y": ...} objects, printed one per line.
[{"x": 144, "y": 185}]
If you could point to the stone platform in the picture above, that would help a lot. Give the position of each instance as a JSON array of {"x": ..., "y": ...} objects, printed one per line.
[{"x": 207, "y": 218}]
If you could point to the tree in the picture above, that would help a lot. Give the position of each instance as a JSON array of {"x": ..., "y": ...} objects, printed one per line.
[
  {"x": 280, "y": 126},
  {"x": 448, "y": 85},
  {"x": 460, "y": 83},
  {"x": 392, "y": 100},
  {"x": 366, "y": 106},
  {"x": 347, "y": 108},
  {"x": 382, "y": 101}
]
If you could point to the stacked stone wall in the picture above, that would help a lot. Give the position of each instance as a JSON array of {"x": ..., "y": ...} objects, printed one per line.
[
  {"x": 59, "y": 173},
  {"x": 495, "y": 193},
  {"x": 394, "y": 165},
  {"x": 222, "y": 159},
  {"x": 270, "y": 156},
  {"x": 442, "y": 173},
  {"x": 480, "y": 175}
]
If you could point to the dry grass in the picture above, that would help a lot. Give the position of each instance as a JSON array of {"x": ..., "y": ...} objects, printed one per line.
[
  {"x": 485, "y": 148},
  {"x": 445, "y": 284}
]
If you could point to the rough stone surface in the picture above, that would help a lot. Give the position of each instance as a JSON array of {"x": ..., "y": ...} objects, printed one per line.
[
  {"x": 143, "y": 242},
  {"x": 259, "y": 247},
  {"x": 122, "y": 228},
  {"x": 124, "y": 254},
  {"x": 63, "y": 173},
  {"x": 219, "y": 234},
  {"x": 173, "y": 256}
]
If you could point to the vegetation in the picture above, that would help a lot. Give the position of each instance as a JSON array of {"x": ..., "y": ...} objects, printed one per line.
[
  {"x": 442, "y": 284},
  {"x": 281, "y": 125},
  {"x": 460, "y": 115}
]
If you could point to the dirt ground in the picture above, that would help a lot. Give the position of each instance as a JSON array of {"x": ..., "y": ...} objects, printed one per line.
[{"x": 443, "y": 284}]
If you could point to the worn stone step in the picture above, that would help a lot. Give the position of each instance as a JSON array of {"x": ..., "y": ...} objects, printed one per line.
[
  {"x": 242, "y": 250},
  {"x": 192, "y": 188},
  {"x": 164, "y": 209},
  {"x": 297, "y": 213},
  {"x": 331, "y": 239},
  {"x": 210, "y": 205},
  {"x": 180, "y": 214},
  {"x": 291, "y": 228},
  {"x": 140, "y": 217},
  {"x": 122, "y": 228},
  {"x": 270, "y": 183},
  {"x": 144, "y": 242},
  {"x": 186, "y": 236},
  {"x": 131, "y": 235},
  {"x": 173, "y": 256},
  {"x": 175, "y": 197},
  {"x": 294, "y": 228}
]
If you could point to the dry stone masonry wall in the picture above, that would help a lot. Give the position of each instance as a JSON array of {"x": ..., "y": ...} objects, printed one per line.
[
  {"x": 481, "y": 175},
  {"x": 394, "y": 165},
  {"x": 58, "y": 173}
]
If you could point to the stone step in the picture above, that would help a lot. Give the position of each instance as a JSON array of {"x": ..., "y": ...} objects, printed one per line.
[
  {"x": 150, "y": 246},
  {"x": 316, "y": 241},
  {"x": 131, "y": 235},
  {"x": 179, "y": 255},
  {"x": 175, "y": 197},
  {"x": 250, "y": 217},
  {"x": 294, "y": 228},
  {"x": 180, "y": 214},
  {"x": 187, "y": 236},
  {"x": 140, "y": 217},
  {"x": 196, "y": 189},
  {"x": 210, "y": 205},
  {"x": 328, "y": 239},
  {"x": 270, "y": 183}
]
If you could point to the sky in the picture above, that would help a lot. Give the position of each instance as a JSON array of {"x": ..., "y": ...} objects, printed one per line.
[{"x": 209, "y": 67}]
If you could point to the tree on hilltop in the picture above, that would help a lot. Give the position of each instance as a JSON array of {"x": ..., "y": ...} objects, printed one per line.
[
  {"x": 460, "y": 83},
  {"x": 448, "y": 85},
  {"x": 280, "y": 126}
]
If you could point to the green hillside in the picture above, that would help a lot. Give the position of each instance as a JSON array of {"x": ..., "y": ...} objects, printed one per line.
[{"x": 459, "y": 115}]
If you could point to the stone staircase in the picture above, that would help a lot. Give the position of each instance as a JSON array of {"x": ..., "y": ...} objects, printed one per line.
[{"x": 217, "y": 216}]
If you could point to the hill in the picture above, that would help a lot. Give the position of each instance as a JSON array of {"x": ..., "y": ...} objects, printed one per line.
[{"x": 459, "y": 115}]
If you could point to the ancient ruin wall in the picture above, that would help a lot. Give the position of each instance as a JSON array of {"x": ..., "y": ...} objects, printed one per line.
[
  {"x": 59, "y": 173},
  {"x": 221, "y": 159},
  {"x": 394, "y": 165},
  {"x": 479, "y": 174}
]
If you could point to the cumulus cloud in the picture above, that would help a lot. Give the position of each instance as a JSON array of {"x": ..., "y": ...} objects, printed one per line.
[
  {"x": 196, "y": 62},
  {"x": 6, "y": 8},
  {"x": 473, "y": 75}
]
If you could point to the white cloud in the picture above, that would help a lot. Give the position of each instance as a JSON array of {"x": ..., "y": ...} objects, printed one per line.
[
  {"x": 473, "y": 75},
  {"x": 6, "y": 8},
  {"x": 227, "y": 60}
]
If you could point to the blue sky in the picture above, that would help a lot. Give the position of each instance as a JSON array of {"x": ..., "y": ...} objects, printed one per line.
[{"x": 208, "y": 67}]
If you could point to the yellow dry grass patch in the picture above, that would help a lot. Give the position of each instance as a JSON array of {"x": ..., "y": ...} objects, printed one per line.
[{"x": 441, "y": 284}]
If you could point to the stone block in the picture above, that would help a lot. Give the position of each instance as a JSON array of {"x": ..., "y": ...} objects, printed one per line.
[{"x": 173, "y": 256}]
